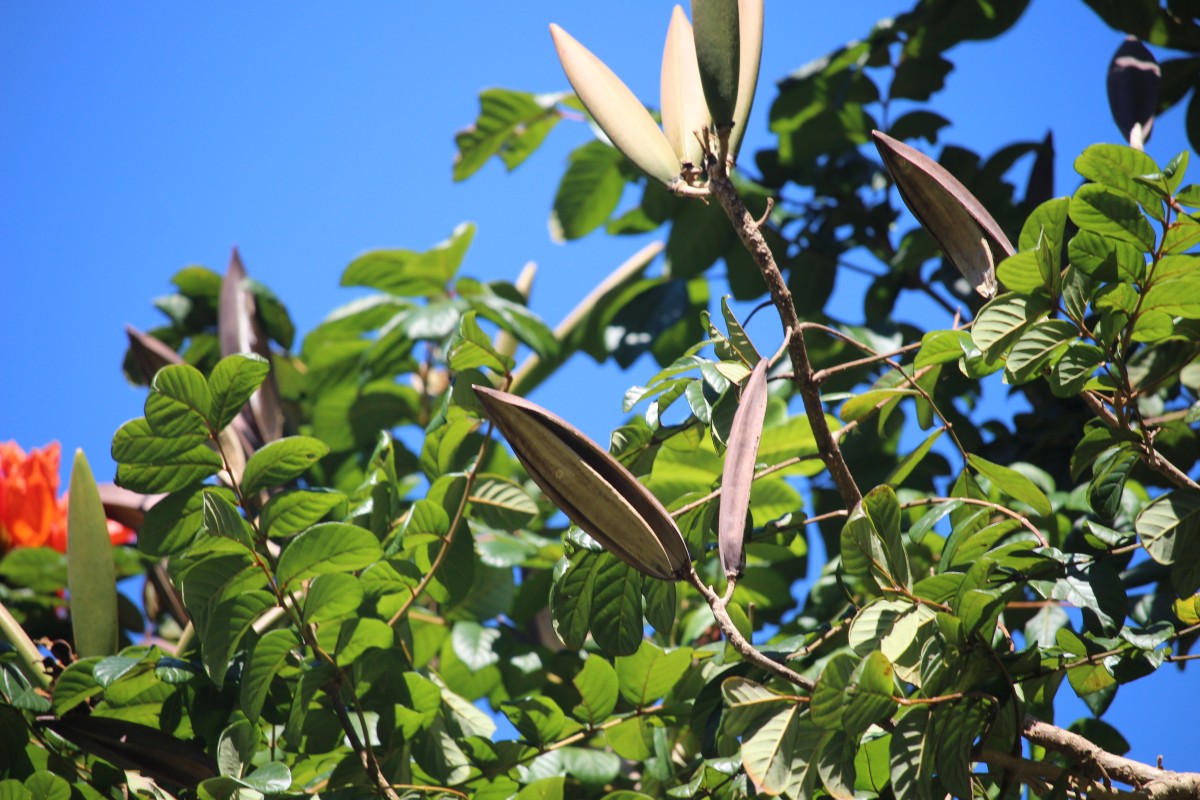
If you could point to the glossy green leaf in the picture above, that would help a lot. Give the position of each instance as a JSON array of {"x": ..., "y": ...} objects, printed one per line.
[
  {"x": 290, "y": 512},
  {"x": 267, "y": 656},
  {"x": 1166, "y": 526},
  {"x": 231, "y": 383},
  {"x": 91, "y": 575},
  {"x": 231, "y": 618},
  {"x": 913, "y": 754},
  {"x": 1106, "y": 258},
  {"x": 327, "y": 547},
  {"x": 1038, "y": 348},
  {"x": 616, "y": 606},
  {"x": 1107, "y": 212},
  {"x": 510, "y": 124},
  {"x": 779, "y": 755},
  {"x": 411, "y": 274},
  {"x": 281, "y": 461},
  {"x": 149, "y": 463},
  {"x": 911, "y": 461},
  {"x": 942, "y": 347},
  {"x": 221, "y": 518},
  {"x": 1003, "y": 319},
  {"x": 1012, "y": 483},
  {"x": 588, "y": 193},
  {"x": 651, "y": 672},
  {"x": 332, "y": 596},
  {"x": 1118, "y": 166},
  {"x": 179, "y": 402},
  {"x": 598, "y": 688}
]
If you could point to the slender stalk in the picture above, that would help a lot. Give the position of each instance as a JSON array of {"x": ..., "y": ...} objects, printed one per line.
[
  {"x": 747, "y": 229},
  {"x": 29, "y": 658}
]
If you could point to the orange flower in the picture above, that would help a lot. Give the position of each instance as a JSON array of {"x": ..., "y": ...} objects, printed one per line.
[{"x": 31, "y": 513}]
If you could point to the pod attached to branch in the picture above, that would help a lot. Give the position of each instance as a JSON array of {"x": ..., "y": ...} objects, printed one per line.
[
  {"x": 1133, "y": 78},
  {"x": 963, "y": 228},
  {"x": 618, "y": 112},
  {"x": 591, "y": 487},
  {"x": 684, "y": 112},
  {"x": 718, "y": 53},
  {"x": 738, "y": 474},
  {"x": 750, "y": 36}
]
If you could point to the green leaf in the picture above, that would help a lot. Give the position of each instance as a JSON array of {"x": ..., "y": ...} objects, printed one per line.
[
  {"x": 474, "y": 349},
  {"x": 221, "y": 518},
  {"x": 1107, "y": 212},
  {"x": 266, "y": 658},
  {"x": 357, "y": 635},
  {"x": 1106, "y": 258},
  {"x": 1003, "y": 319},
  {"x": 913, "y": 459},
  {"x": 290, "y": 512},
  {"x": 149, "y": 463},
  {"x": 91, "y": 574},
  {"x": 510, "y": 124},
  {"x": 274, "y": 777},
  {"x": 778, "y": 756},
  {"x": 1037, "y": 348},
  {"x": 1108, "y": 481},
  {"x": 589, "y": 191},
  {"x": 231, "y": 619},
  {"x": 331, "y": 597},
  {"x": 1168, "y": 525},
  {"x": 47, "y": 786},
  {"x": 75, "y": 685},
  {"x": 474, "y": 644},
  {"x": 1021, "y": 272},
  {"x": 538, "y": 719},
  {"x": 179, "y": 402},
  {"x": 410, "y": 274},
  {"x": 1076, "y": 366},
  {"x": 941, "y": 347},
  {"x": 281, "y": 461},
  {"x": 650, "y": 673},
  {"x": 598, "y": 688},
  {"x": 913, "y": 750},
  {"x": 829, "y": 699},
  {"x": 869, "y": 694},
  {"x": 231, "y": 383},
  {"x": 1118, "y": 166},
  {"x": 1012, "y": 483},
  {"x": 616, "y": 606},
  {"x": 327, "y": 547},
  {"x": 571, "y": 598}
]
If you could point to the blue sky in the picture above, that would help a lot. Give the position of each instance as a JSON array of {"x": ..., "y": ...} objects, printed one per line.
[{"x": 142, "y": 137}]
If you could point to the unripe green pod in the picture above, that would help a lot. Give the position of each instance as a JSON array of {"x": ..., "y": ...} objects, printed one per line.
[
  {"x": 718, "y": 54},
  {"x": 684, "y": 110},
  {"x": 622, "y": 117},
  {"x": 591, "y": 487},
  {"x": 750, "y": 35}
]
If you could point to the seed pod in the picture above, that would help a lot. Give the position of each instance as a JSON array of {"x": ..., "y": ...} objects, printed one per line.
[
  {"x": 616, "y": 110},
  {"x": 738, "y": 475},
  {"x": 963, "y": 228},
  {"x": 684, "y": 111},
  {"x": 750, "y": 35},
  {"x": 588, "y": 485},
  {"x": 718, "y": 46},
  {"x": 1133, "y": 78}
]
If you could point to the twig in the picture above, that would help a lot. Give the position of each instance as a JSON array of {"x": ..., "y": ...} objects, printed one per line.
[
  {"x": 748, "y": 651},
  {"x": 747, "y": 229}
]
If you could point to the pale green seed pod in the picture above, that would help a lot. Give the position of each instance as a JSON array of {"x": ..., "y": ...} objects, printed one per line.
[
  {"x": 684, "y": 111},
  {"x": 591, "y": 487},
  {"x": 718, "y": 46},
  {"x": 750, "y": 36},
  {"x": 622, "y": 117},
  {"x": 963, "y": 228},
  {"x": 738, "y": 475}
]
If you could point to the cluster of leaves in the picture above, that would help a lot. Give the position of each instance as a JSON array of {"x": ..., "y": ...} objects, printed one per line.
[{"x": 344, "y": 572}]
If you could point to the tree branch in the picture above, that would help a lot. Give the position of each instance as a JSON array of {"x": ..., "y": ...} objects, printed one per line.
[{"x": 747, "y": 230}]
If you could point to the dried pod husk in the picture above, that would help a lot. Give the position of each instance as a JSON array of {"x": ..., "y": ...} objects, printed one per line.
[
  {"x": 738, "y": 474},
  {"x": 1133, "y": 77},
  {"x": 591, "y": 487},
  {"x": 718, "y": 54},
  {"x": 750, "y": 36},
  {"x": 622, "y": 117},
  {"x": 963, "y": 228},
  {"x": 684, "y": 111}
]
